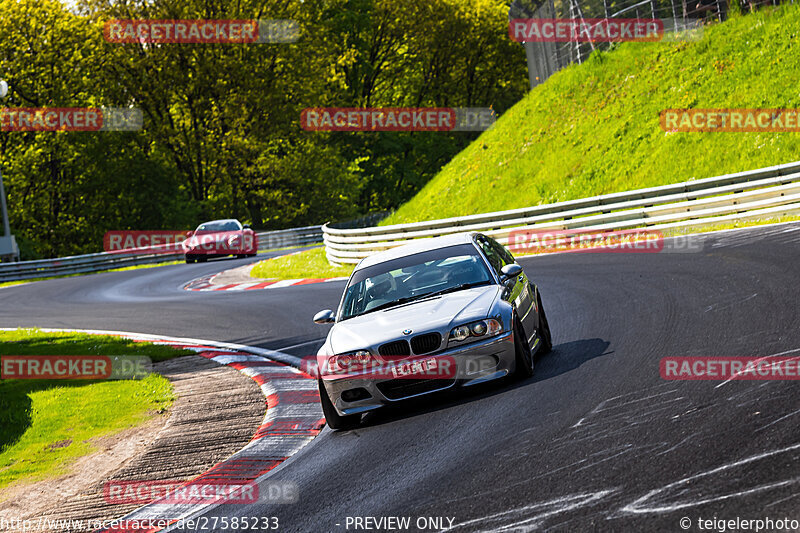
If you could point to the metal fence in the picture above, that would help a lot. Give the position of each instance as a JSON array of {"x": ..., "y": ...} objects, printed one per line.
[
  {"x": 98, "y": 262},
  {"x": 80, "y": 264},
  {"x": 681, "y": 19},
  {"x": 361, "y": 222},
  {"x": 768, "y": 192},
  {"x": 270, "y": 240}
]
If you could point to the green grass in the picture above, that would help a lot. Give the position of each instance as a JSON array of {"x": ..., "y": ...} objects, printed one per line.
[
  {"x": 308, "y": 264},
  {"x": 730, "y": 225},
  {"x": 594, "y": 128},
  {"x": 45, "y": 425}
]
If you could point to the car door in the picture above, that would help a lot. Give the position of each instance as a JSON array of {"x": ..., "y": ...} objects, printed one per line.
[{"x": 519, "y": 294}]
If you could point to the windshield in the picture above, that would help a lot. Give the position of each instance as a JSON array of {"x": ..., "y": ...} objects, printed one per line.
[
  {"x": 414, "y": 277},
  {"x": 213, "y": 227}
]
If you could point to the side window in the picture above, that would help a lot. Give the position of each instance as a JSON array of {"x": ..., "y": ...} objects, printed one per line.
[
  {"x": 491, "y": 254},
  {"x": 501, "y": 250}
]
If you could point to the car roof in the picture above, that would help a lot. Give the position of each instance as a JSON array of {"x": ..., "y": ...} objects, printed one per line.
[
  {"x": 416, "y": 247},
  {"x": 220, "y": 220}
]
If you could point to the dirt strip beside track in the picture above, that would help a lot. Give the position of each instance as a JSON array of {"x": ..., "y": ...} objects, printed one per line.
[{"x": 217, "y": 411}]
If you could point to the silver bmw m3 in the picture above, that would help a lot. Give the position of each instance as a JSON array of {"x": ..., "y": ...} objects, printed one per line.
[{"x": 437, "y": 313}]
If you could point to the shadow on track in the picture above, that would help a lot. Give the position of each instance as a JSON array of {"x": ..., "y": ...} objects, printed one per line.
[{"x": 564, "y": 358}]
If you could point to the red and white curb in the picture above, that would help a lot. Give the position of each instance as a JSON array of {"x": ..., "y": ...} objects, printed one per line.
[
  {"x": 293, "y": 418},
  {"x": 207, "y": 284}
]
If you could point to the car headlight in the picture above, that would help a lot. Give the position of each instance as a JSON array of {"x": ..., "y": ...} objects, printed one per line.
[
  {"x": 479, "y": 328},
  {"x": 349, "y": 361}
]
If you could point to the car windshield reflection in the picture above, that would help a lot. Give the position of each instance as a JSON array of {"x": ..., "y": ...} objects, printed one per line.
[{"x": 413, "y": 278}]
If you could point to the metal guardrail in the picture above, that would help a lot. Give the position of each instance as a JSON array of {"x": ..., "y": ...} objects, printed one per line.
[
  {"x": 362, "y": 222},
  {"x": 771, "y": 191},
  {"x": 81, "y": 264},
  {"x": 269, "y": 240}
]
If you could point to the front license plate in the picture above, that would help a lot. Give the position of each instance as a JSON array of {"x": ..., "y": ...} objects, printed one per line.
[{"x": 412, "y": 368}]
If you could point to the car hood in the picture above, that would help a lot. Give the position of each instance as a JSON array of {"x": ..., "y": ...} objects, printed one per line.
[
  {"x": 440, "y": 313},
  {"x": 210, "y": 239}
]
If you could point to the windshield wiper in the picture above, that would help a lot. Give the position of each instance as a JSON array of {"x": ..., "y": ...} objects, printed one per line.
[
  {"x": 454, "y": 288},
  {"x": 393, "y": 303}
]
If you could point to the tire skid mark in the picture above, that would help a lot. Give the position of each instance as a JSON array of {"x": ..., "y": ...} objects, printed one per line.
[
  {"x": 621, "y": 416},
  {"x": 530, "y": 517},
  {"x": 687, "y": 487}
]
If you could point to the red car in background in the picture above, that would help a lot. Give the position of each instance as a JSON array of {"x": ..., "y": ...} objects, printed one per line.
[{"x": 220, "y": 238}]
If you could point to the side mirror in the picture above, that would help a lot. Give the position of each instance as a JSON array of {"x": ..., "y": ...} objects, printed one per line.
[
  {"x": 510, "y": 272},
  {"x": 324, "y": 317},
  {"x": 246, "y": 226}
]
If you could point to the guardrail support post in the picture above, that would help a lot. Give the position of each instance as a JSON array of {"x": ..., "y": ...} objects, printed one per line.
[{"x": 8, "y": 246}]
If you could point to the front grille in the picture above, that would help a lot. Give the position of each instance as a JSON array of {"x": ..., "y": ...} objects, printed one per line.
[
  {"x": 397, "y": 348},
  {"x": 397, "y": 389},
  {"x": 426, "y": 343}
]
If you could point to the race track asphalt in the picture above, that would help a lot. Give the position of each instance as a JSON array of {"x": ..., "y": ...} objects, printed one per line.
[{"x": 595, "y": 440}]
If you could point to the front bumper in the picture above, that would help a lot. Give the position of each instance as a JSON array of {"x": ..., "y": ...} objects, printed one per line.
[{"x": 476, "y": 362}]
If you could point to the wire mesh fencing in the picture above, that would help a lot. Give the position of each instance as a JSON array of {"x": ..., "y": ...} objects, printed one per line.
[{"x": 556, "y": 33}]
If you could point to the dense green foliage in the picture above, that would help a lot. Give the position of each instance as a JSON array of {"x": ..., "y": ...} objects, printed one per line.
[
  {"x": 594, "y": 128},
  {"x": 221, "y": 132}
]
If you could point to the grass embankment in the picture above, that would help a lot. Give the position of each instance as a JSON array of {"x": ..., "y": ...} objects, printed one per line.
[
  {"x": 308, "y": 264},
  {"x": 45, "y": 425},
  {"x": 594, "y": 128}
]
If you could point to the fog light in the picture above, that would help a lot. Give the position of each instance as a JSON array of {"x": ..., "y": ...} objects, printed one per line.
[{"x": 353, "y": 395}]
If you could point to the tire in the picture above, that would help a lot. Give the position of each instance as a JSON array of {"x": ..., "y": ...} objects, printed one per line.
[
  {"x": 545, "y": 337},
  {"x": 332, "y": 418},
  {"x": 241, "y": 256},
  {"x": 202, "y": 259},
  {"x": 190, "y": 259},
  {"x": 523, "y": 355}
]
